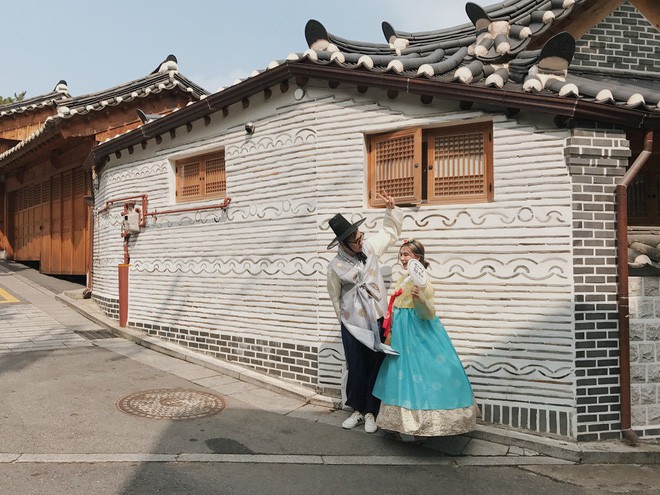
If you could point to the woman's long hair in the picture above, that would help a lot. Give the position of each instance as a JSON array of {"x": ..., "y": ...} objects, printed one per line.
[{"x": 417, "y": 249}]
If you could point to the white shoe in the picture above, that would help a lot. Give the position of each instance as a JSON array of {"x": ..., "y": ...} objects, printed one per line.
[
  {"x": 370, "y": 423},
  {"x": 353, "y": 420}
]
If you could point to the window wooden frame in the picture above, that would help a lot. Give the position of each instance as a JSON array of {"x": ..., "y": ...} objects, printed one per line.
[
  {"x": 402, "y": 180},
  {"x": 201, "y": 177},
  {"x": 445, "y": 164},
  {"x": 644, "y": 196},
  {"x": 644, "y": 192},
  {"x": 460, "y": 162}
]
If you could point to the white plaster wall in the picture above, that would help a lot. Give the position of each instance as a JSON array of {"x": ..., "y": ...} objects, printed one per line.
[{"x": 502, "y": 270}]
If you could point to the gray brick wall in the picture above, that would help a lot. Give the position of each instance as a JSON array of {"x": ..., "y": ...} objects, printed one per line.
[
  {"x": 645, "y": 355},
  {"x": 109, "y": 306},
  {"x": 536, "y": 419},
  {"x": 623, "y": 41},
  {"x": 597, "y": 160},
  {"x": 290, "y": 361}
]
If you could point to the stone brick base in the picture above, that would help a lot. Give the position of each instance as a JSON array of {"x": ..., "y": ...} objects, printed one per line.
[
  {"x": 527, "y": 418},
  {"x": 109, "y": 305},
  {"x": 286, "y": 360},
  {"x": 290, "y": 361},
  {"x": 645, "y": 355}
]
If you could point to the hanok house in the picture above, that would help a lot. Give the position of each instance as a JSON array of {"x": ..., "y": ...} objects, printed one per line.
[
  {"x": 503, "y": 140},
  {"x": 43, "y": 144}
]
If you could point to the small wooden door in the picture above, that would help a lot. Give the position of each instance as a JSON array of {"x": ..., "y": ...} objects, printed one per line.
[{"x": 51, "y": 223}]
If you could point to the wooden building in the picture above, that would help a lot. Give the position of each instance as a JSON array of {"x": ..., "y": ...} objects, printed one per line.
[
  {"x": 44, "y": 215},
  {"x": 502, "y": 148}
]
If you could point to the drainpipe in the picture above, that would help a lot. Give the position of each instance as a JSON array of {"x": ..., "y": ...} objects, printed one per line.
[
  {"x": 122, "y": 273},
  {"x": 621, "y": 193}
]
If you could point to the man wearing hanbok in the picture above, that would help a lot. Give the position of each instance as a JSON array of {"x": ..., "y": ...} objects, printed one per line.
[{"x": 358, "y": 294}]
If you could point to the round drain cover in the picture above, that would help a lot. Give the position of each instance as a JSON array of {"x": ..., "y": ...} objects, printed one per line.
[{"x": 171, "y": 404}]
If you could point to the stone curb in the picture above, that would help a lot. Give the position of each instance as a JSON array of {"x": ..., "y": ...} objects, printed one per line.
[
  {"x": 613, "y": 452},
  {"x": 328, "y": 460},
  {"x": 547, "y": 446}
]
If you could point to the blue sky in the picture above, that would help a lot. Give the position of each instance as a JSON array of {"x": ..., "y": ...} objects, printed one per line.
[{"x": 95, "y": 45}]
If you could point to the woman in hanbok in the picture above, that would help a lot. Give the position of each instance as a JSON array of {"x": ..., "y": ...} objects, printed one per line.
[{"x": 424, "y": 391}]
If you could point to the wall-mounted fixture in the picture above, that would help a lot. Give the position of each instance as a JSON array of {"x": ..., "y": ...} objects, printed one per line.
[
  {"x": 131, "y": 223},
  {"x": 298, "y": 94},
  {"x": 249, "y": 127}
]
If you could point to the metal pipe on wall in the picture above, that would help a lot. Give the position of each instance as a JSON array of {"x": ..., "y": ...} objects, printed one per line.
[
  {"x": 621, "y": 193},
  {"x": 224, "y": 204}
]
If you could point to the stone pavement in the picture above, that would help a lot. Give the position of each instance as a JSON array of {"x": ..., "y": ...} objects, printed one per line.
[
  {"x": 32, "y": 319},
  {"x": 41, "y": 321}
]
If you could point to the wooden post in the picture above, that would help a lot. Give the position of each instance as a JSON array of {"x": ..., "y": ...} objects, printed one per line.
[{"x": 123, "y": 294}]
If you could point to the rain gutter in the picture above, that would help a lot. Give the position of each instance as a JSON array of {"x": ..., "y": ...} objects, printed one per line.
[{"x": 621, "y": 193}]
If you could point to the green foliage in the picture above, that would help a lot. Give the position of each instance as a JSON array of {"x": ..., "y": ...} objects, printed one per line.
[{"x": 6, "y": 100}]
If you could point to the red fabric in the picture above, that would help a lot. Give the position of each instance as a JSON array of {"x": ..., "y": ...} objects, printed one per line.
[{"x": 387, "y": 322}]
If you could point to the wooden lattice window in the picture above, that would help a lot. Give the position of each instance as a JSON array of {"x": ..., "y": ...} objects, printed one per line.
[
  {"x": 460, "y": 164},
  {"x": 448, "y": 164},
  {"x": 201, "y": 177},
  {"x": 395, "y": 161},
  {"x": 644, "y": 195},
  {"x": 644, "y": 192}
]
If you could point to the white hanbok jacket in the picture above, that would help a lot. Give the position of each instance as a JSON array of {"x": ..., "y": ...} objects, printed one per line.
[{"x": 357, "y": 290}]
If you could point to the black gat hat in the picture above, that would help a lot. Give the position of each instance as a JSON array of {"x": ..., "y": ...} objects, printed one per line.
[{"x": 342, "y": 228}]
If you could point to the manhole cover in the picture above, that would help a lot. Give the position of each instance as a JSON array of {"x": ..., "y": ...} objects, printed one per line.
[{"x": 171, "y": 404}]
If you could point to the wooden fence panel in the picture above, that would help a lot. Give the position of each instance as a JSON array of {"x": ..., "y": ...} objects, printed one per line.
[
  {"x": 55, "y": 253},
  {"x": 79, "y": 224},
  {"x": 45, "y": 227},
  {"x": 67, "y": 222}
]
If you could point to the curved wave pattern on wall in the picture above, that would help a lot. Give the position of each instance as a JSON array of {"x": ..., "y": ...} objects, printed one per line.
[
  {"x": 474, "y": 269},
  {"x": 232, "y": 214},
  {"x": 267, "y": 142},
  {"x": 331, "y": 362},
  {"x": 508, "y": 368},
  {"x": 465, "y": 218},
  {"x": 477, "y": 218},
  {"x": 260, "y": 266},
  {"x": 270, "y": 211},
  {"x": 107, "y": 261},
  {"x": 109, "y": 220},
  {"x": 135, "y": 172}
]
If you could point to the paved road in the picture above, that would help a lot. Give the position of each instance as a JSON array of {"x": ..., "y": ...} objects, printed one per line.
[{"x": 64, "y": 378}]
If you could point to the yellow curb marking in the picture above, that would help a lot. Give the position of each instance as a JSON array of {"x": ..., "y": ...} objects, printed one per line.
[{"x": 6, "y": 297}]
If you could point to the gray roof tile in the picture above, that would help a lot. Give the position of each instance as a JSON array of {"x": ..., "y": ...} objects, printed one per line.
[
  {"x": 450, "y": 56},
  {"x": 165, "y": 77},
  {"x": 492, "y": 50},
  {"x": 643, "y": 250},
  {"x": 60, "y": 93}
]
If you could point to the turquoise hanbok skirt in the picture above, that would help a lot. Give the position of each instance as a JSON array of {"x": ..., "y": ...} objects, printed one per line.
[{"x": 427, "y": 374}]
